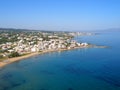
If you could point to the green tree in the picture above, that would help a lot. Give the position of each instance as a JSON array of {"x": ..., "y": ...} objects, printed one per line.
[
  {"x": 1, "y": 56},
  {"x": 14, "y": 54}
]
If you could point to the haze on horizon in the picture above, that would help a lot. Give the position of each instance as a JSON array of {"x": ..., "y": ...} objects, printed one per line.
[{"x": 60, "y": 14}]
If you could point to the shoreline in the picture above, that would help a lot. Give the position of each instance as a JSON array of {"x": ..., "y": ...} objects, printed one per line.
[{"x": 11, "y": 60}]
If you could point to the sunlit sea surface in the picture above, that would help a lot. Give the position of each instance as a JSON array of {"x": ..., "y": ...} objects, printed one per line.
[{"x": 80, "y": 69}]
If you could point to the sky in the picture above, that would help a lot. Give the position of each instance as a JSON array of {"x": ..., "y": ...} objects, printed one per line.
[{"x": 60, "y": 14}]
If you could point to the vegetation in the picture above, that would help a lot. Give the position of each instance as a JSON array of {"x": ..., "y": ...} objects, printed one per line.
[
  {"x": 14, "y": 54},
  {"x": 1, "y": 56}
]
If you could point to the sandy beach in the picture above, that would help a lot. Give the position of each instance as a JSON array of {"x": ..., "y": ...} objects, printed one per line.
[{"x": 11, "y": 60}]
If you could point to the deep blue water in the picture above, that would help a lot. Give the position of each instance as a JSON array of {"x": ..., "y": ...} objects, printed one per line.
[{"x": 80, "y": 69}]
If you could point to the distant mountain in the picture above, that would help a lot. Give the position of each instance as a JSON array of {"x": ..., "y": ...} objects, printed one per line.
[
  {"x": 108, "y": 30},
  {"x": 31, "y": 30},
  {"x": 113, "y": 29},
  {"x": 12, "y": 29}
]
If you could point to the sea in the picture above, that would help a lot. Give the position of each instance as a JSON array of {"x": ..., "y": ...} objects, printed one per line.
[{"x": 79, "y": 69}]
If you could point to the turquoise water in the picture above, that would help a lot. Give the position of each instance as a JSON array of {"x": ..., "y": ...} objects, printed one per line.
[{"x": 80, "y": 69}]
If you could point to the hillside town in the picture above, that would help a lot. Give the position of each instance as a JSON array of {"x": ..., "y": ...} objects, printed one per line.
[{"x": 17, "y": 43}]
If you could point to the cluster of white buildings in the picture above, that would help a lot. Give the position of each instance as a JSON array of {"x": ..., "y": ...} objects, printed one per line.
[
  {"x": 53, "y": 44},
  {"x": 30, "y": 44},
  {"x": 81, "y": 33}
]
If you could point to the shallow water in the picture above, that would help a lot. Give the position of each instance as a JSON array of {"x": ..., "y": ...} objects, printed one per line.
[{"x": 80, "y": 69}]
